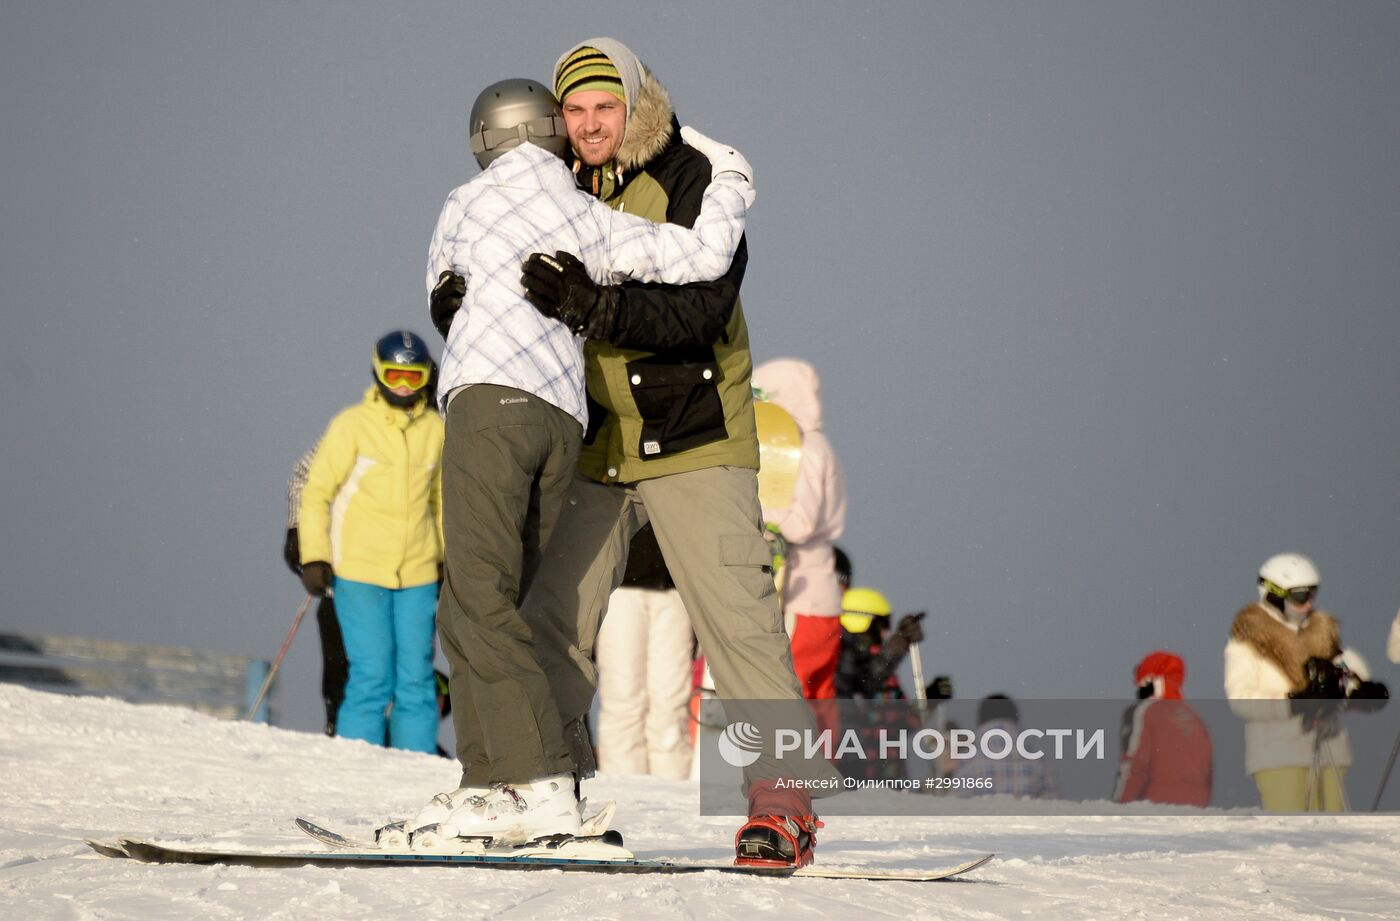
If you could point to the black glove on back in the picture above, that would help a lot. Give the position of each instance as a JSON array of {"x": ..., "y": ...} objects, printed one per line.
[
  {"x": 316, "y": 578},
  {"x": 446, "y": 300},
  {"x": 560, "y": 288}
]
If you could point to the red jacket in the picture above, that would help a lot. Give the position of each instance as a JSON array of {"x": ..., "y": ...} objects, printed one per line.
[{"x": 1167, "y": 753}]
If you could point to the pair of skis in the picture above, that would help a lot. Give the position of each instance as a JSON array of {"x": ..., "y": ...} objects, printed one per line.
[{"x": 594, "y": 854}]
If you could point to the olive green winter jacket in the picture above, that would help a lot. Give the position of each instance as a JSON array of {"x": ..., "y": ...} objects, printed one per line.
[{"x": 670, "y": 392}]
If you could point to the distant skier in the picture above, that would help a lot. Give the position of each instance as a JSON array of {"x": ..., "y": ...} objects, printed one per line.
[
  {"x": 369, "y": 529},
  {"x": 1167, "y": 755},
  {"x": 1288, "y": 676},
  {"x": 870, "y": 652},
  {"x": 815, "y": 516},
  {"x": 1014, "y": 775},
  {"x": 870, "y": 657}
]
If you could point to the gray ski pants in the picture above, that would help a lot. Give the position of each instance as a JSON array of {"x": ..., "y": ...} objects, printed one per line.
[{"x": 507, "y": 463}]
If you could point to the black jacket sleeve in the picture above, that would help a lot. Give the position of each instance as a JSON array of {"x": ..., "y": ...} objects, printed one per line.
[
  {"x": 660, "y": 318},
  {"x": 850, "y": 669}
]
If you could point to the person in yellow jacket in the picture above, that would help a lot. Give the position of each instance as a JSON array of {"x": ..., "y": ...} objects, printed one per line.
[{"x": 370, "y": 531}]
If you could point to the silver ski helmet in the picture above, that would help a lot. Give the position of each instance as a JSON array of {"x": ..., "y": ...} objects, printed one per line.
[{"x": 512, "y": 112}]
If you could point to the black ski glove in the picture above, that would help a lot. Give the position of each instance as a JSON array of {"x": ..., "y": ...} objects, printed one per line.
[
  {"x": 1322, "y": 695},
  {"x": 446, "y": 300},
  {"x": 1368, "y": 697},
  {"x": 291, "y": 551},
  {"x": 910, "y": 629},
  {"x": 1324, "y": 680},
  {"x": 907, "y": 633},
  {"x": 560, "y": 288},
  {"x": 316, "y": 578},
  {"x": 941, "y": 688}
]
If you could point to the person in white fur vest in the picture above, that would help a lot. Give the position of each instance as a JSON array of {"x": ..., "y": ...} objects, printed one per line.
[{"x": 1288, "y": 676}]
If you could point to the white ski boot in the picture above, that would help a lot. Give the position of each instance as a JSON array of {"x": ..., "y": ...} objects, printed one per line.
[
  {"x": 517, "y": 813},
  {"x": 396, "y": 836}
]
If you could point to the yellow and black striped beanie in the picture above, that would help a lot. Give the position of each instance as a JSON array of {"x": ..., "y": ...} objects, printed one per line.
[{"x": 587, "y": 68}]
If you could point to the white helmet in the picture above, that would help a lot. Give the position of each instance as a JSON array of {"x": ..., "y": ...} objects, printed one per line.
[{"x": 1285, "y": 572}]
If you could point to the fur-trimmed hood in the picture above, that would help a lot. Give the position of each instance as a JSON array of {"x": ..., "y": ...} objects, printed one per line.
[
  {"x": 650, "y": 116},
  {"x": 1289, "y": 649}
]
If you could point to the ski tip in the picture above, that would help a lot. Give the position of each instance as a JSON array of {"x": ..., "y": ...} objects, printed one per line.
[
  {"x": 326, "y": 836},
  {"x": 962, "y": 868},
  {"x": 974, "y": 864},
  {"x": 874, "y": 874},
  {"x": 106, "y": 848}
]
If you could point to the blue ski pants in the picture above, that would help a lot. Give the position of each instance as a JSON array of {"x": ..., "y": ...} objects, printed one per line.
[{"x": 389, "y": 644}]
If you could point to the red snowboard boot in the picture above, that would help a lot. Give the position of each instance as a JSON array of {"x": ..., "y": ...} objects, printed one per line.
[
  {"x": 776, "y": 841},
  {"x": 781, "y": 830}
]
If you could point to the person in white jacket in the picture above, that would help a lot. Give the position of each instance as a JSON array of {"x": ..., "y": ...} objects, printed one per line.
[
  {"x": 1287, "y": 676},
  {"x": 815, "y": 516},
  {"x": 1392, "y": 646},
  {"x": 512, "y": 388}
]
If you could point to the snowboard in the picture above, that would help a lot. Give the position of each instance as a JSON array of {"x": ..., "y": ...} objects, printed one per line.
[
  {"x": 153, "y": 852},
  {"x": 779, "y": 453}
]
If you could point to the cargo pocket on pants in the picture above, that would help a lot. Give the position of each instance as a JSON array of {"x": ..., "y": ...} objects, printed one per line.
[{"x": 747, "y": 558}]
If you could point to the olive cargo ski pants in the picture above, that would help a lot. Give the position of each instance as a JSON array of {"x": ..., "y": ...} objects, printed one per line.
[
  {"x": 709, "y": 527},
  {"x": 507, "y": 464}
]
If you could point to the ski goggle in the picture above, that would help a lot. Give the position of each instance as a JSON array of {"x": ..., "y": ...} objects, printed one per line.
[
  {"x": 854, "y": 622},
  {"x": 1299, "y": 596},
  {"x": 414, "y": 377}
]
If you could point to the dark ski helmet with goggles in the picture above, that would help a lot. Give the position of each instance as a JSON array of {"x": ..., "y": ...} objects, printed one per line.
[{"x": 401, "y": 359}]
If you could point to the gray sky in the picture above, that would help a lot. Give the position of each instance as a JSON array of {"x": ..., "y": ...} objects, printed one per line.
[{"x": 1103, "y": 296}]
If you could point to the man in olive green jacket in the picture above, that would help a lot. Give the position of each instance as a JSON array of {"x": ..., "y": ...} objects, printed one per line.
[{"x": 671, "y": 436}]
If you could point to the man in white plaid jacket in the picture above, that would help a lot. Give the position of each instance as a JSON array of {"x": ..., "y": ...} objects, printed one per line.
[{"x": 512, "y": 389}]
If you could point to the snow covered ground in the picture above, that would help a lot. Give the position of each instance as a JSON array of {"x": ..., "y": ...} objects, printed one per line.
[{"x": 77, "y": 767}]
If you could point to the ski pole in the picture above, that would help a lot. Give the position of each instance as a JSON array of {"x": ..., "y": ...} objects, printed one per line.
[
  {"x": 1314, "y": 770},
  {"x": 1337, "y": 775},
  {"x": 916, "y": 659},
  {"x": 1385, "y": 778},
  {"x": 281, "y": 654}
]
